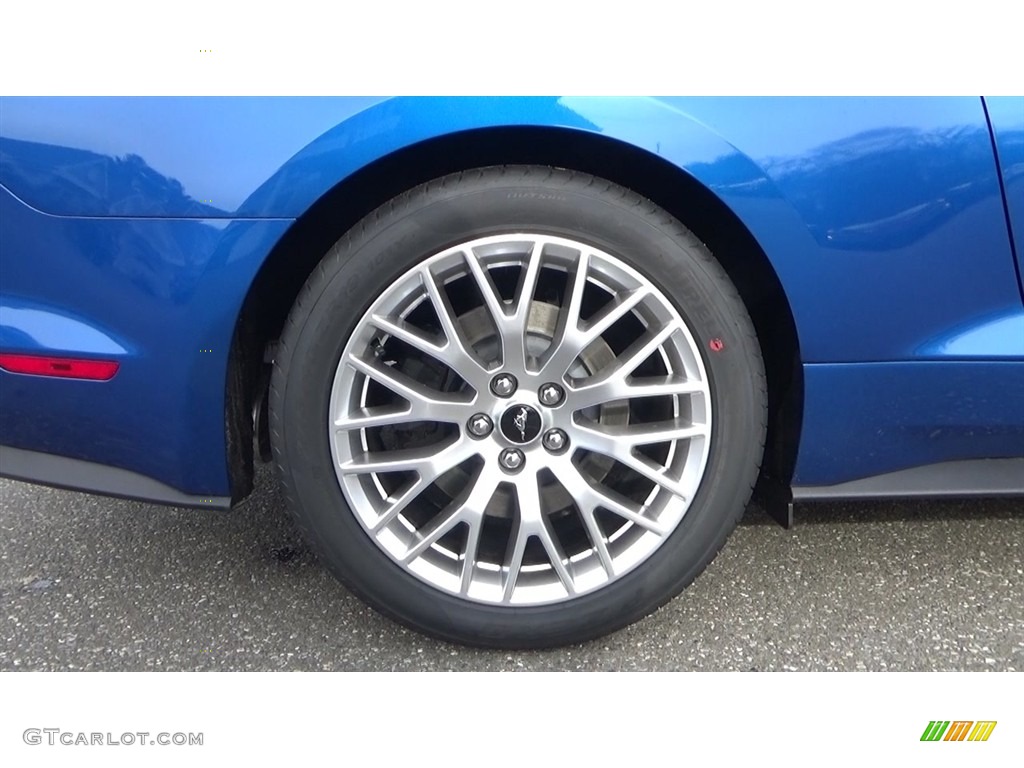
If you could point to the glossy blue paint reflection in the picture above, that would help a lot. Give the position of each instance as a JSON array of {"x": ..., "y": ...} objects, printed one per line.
[
  {"x": 139, "y": 224},
  {"x": 999, "y": 337},
  {"x": 861, "y": 204},
  {"x": 154, "y": 156},
  {"x": 171, "y": 289},
  {"x": 1006, "y": 114},
  {"x": 869, "y": 419},
  {"x": 33, "y": 328}
]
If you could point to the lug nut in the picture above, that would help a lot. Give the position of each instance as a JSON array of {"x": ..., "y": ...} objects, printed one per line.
[
  {"x": 555, "y": 440},
  {"x": 551, "y": 394},
  {"x": 511, "y": 459},
  {"x": 480, "y": 425},
  {"x": 504, "y": 385}
]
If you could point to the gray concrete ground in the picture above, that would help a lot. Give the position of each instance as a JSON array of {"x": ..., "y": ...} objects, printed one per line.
[{"x": 102, "y": 584}]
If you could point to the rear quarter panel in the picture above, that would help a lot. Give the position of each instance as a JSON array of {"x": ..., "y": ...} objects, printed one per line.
[{"x": 144, "y": 221}]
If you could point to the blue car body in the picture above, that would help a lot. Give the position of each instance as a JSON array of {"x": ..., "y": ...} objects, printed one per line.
[{"x": 146, "y": 231}]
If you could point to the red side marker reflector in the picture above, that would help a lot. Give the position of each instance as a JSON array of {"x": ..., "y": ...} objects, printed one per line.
[{"x": 64, "y": 367}]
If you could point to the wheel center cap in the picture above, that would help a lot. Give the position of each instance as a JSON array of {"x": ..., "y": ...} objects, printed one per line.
[{"x": 520, "y": 424}]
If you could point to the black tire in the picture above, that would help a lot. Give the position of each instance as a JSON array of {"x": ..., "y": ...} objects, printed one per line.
[{"x": 427, "y": 220}]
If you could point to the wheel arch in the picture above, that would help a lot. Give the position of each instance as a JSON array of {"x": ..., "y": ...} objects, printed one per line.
[{"x": 295, "y": 256}]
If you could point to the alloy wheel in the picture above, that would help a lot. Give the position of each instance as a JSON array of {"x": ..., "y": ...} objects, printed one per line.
[{"x": 520, "y": 419}]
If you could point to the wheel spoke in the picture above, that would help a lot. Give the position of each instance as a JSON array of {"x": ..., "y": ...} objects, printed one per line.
[
  {"x": 400, "y": 503},
  {"x": 565, "y": 344},
  {"x": 492, "y": 300},
  {"x": 590, "y": 496},
  {"x": 577, "y": 283},
  {"x": 468, "y": 507},
  {"x": 639, "y": 434},
  {"x": 378, "y": 416},
  {"x": 654, "y": 473},
  {"x": 428, "y": 462},
  {"x": 457, "y": 352},
  {"x": 469, "y": 556},
  {"x": 427, "y": 466},
  {"x": 597, "y": 538},
  {"x": 421, "y": 397},
  {"x": 620, "y": 447},
  {"x": 430, "y": 533},
  {"x": 536, "y": 523},
  {"x": 575, "y": 340},
  {"x": 564, "y": 338},
  {"x": 616, "y": 309},
  {"x": 527, "y": 286},
  {"x": 387, "y": 461},
  {"x": 510, "y": 318},
  {"x": 517, "y": 353},
  {"x": 513, "y": 559},
  {"x": 555, "y": 555},
  {"x": 408, "y": 333},
  {"x": 643, "y": 348},
  {"x": 588, "y": 394}
]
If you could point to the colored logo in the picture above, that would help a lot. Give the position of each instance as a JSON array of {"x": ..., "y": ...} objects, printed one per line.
[{"x": 958, "y": 730}]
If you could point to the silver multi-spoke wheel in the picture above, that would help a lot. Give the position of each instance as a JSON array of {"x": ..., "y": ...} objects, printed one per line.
[{"x": 520, "y": 419}]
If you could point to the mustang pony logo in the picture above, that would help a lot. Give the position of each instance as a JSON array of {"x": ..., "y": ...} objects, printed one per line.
[{"x": 520, "y": 421}]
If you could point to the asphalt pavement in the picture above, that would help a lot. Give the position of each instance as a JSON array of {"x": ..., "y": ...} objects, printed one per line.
[{"x": 103, "y": 584}]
